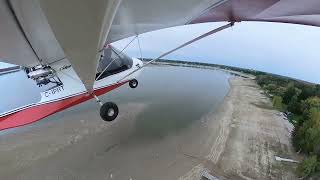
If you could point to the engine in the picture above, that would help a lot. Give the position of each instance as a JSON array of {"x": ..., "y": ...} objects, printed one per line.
[{"x": 43, "y": 75}]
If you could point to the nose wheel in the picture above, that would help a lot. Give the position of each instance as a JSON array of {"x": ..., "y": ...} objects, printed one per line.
[
  {"x": 109, "y": 111},
  {"x": 133, "y": 83}
]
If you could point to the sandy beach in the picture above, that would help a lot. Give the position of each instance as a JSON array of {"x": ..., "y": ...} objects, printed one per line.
[
  {"x": 250, "y": 135},
  {"x": 236, "y": 141}
]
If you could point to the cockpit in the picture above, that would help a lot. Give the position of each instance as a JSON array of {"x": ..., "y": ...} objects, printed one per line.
[{"x": 112, "y": 62}]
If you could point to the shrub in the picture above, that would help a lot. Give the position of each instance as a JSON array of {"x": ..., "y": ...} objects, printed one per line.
[
  {"x": 308, "y": 166},
  {"x": 277, "y": 102}
]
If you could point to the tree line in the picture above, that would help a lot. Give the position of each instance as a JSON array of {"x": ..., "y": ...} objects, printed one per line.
[{"x": 181, "y": 63}]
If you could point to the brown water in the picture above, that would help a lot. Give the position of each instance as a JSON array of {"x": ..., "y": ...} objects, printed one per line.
[
  {"x": 174, "y": 104},
  {"x": 175, "y": 97}
]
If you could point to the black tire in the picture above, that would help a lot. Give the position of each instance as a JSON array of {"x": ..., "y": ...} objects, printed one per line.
[
  {"x": 133, "y": 83},
  {"x": 109, "y": 111}
]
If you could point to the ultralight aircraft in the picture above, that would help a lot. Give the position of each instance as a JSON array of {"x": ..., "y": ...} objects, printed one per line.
[{"x": 64, "y": 45}]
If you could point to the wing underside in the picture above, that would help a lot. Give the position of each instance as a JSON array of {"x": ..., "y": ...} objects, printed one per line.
[
  {"x": 139, "y": 16},
  {"x": 14, "y": 48}
]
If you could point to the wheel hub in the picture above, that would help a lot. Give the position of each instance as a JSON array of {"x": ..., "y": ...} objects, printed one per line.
[{"x": 110, "y": 112}]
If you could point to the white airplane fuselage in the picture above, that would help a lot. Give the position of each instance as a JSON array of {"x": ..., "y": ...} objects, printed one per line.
[
  {"x": 70, "y": 93},
  {"x": 72, "y": 84}
]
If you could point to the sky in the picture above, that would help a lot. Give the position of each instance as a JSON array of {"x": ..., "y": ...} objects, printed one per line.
[{"x": 285, "y": 49}]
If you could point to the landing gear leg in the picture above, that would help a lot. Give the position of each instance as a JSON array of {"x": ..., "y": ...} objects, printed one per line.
[{"x": 108, "y": 111}]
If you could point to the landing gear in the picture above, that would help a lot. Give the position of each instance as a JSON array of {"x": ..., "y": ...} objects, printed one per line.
[
  {"x": 133, "y": 83},
  {"x": 109, "y": 111}
]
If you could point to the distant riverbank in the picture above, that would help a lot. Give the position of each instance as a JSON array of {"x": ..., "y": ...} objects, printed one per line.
[{"x": 232, "y": 71}]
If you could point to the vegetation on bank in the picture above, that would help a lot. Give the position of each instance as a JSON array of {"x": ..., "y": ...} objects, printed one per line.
[{"x": 299, "y": 101}]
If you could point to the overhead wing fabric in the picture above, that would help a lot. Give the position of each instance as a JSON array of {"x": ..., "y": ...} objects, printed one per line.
[
  {"x": 305, "y": 12},
  {"x": 139, "y": 16},
  {"x": 14, "y": 48},
  {"x": 37, "y": 30}
]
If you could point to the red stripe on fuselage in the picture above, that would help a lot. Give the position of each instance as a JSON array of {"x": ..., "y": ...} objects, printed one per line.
[{"x": 39, "y": 112}]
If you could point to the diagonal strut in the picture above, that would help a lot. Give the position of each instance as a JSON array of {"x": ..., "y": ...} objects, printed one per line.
[{"x": 181, "y": 46}]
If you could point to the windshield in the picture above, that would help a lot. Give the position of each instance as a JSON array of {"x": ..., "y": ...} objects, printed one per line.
[{"x": 112, "y": 62}]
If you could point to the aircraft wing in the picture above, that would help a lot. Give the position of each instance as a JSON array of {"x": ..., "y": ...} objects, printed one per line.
[
  {"x": 139, "y": 16},
  {"x": 49, "y": 30},
  {"x": 13, "y": 46}
]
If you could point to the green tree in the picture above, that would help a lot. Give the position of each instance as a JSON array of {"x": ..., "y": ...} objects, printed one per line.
[
  {"x": 289, "y": 93},
  {"x": 307, "y": 137},
  {"x": 270, "y": 88},
  {"x": 277, "y": 102},
  {"x": 280, "y": 91},
  {"x": 306, "y": 91},
  {"x": 314, "y": 131},
  {"x": 308, "y": 104},
  {"x": 317, "y": 90},
  {"x": 308, "y": 166},
  {"x": 294, "y": 105}
]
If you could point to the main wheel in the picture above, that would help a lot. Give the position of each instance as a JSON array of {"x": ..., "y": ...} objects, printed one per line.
[
  {"x": 133, "y": 83},
  {"x": 109, "y": 111}
]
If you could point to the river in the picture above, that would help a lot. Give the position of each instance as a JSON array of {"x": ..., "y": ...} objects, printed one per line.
[{"x": 165, "y": 115}]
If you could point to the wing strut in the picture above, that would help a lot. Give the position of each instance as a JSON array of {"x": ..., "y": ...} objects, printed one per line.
[
  {"x": 181, "y": 46},
  {"x": 139, "y": 48}
]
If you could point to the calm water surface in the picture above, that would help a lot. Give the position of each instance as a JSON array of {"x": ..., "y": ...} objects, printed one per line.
[{"x": 175, "y": 97}]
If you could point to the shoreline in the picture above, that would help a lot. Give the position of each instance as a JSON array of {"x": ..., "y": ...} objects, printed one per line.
[{"x": 247, "y": 142}]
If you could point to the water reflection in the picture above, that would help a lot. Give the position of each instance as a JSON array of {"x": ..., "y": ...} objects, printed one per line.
[{"x": 175, "y": 97}]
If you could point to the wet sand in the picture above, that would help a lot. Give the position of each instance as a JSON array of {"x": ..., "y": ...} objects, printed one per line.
[{"x": 236, "y": 141}]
